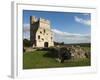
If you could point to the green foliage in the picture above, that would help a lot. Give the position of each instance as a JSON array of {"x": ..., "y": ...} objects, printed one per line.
[
  {"x": 26, "y": 43},
  {"x": 59, "y": 43}
]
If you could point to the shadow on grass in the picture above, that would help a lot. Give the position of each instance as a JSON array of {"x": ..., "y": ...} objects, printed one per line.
[{"x": 51, "y": 52}]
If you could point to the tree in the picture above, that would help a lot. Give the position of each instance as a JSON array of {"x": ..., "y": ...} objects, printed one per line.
[
  {"x": 62, "y": 43},
  {"x": 26, "y": 43}
]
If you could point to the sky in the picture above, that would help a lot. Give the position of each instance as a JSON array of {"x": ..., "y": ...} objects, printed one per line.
[{"x": 67, "y": 27}]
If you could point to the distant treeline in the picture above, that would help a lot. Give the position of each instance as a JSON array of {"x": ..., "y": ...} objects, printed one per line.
[
  {"x": 74, "y": 44},
  {"x": 82, "y": 44}
]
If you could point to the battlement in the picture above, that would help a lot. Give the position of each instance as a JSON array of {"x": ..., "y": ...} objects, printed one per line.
[
  {"x": 44, "y": 20},
  {"x": 33, "y": 19}
]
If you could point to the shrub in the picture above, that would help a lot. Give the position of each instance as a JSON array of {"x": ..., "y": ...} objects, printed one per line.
[
  {"x": 64, "y": 53},
  {"x": 26, "y": 43}
]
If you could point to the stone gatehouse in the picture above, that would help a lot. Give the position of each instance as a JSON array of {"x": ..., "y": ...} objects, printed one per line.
[{"x": 40, "y": 32}]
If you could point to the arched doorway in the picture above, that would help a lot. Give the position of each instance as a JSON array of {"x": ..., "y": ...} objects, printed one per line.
[{"x": 46, "y": 44}]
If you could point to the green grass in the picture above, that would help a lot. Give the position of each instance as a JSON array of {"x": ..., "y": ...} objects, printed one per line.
[{"x": 37, "y": 59}]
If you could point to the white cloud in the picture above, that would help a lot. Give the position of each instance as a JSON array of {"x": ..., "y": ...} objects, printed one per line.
[
  {"x": 82, "y": 21},
  {"x": 26, "y": 31},
  {"x": 60, "y": 32},
  {"x": 67, "y": 33},
  {"x": 26, "y": 27},
  {"x": 26, "y": 35},
  {"x": 67, "y": 37}
]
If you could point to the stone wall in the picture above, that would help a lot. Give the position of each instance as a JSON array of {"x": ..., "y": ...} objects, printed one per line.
[
  {"x": 77, "y": 52},
  {"x": 43, "y": 36}
]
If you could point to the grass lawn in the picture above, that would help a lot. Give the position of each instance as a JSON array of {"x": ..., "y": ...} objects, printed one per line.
[{"x": 37, "y": 59}]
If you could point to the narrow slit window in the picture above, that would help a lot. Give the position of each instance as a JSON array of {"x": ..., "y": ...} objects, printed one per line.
[{"x": 38, "y": 36}]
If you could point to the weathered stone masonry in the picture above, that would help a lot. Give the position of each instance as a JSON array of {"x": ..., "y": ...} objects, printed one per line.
[{"x": 40, "y": 32}]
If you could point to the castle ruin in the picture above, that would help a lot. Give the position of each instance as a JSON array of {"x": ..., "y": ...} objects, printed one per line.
[{"x": 40, "y": 32}]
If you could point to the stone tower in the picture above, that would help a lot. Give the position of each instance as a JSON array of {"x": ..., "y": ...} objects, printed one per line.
[{"x": 40, "y": 32}]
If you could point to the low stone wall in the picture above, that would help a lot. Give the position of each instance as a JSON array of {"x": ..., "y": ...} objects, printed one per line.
[
  {"x": 70, "y": 52},
  {"x": 77, "y": 52}
]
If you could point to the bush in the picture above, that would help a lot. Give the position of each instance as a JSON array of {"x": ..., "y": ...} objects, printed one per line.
[
  {"x": 26, "y": 43},
  {"x": 51, "y": 52},
  {"x": 64, "y": 53}
]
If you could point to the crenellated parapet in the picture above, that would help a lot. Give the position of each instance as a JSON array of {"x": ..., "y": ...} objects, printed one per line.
[{"x": 44, "y": 20}]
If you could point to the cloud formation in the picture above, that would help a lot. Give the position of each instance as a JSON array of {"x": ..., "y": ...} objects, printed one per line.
[
  {"x": 82, "y": 21},
  {"x": 66, "y": 37},
  {"x": 26, "y": 31},
  {"x": 26, "y": 27}
]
